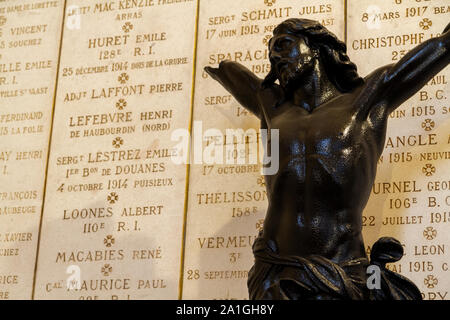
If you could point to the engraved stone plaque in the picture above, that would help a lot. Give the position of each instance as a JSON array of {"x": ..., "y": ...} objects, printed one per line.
[
  {"x": 227, "y": 202},
  {"x": 112, "y": 223},
  {"x": 29, "y": 45},
  {"x": 409, "y": 199}
]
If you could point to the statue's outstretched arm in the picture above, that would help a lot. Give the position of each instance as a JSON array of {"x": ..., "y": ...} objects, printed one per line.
[
  {"x": 240, "y": 82},
  {"x": 404, "y": 78}
]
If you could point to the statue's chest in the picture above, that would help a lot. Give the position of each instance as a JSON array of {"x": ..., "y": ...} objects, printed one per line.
[
  {"x": 326, "y": 131},
  {"x": 327, "y": 146}
]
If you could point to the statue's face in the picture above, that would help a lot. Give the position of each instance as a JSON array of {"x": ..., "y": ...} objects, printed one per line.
[{"x": 291, "y": 57}]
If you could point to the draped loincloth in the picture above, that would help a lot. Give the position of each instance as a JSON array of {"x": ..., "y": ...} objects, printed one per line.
[{"x": 277, "y": 277}]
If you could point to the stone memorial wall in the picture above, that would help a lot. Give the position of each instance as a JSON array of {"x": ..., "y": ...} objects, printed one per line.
[{"x": 106, "y": 115}]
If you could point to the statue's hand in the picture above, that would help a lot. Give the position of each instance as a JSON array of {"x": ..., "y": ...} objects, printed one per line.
[
  {"x": 213, "y": 72},
  {"x": 447, "y": 28}
]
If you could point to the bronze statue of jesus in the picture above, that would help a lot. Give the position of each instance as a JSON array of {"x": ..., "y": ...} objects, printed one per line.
[{"x": 332, "y": 126}]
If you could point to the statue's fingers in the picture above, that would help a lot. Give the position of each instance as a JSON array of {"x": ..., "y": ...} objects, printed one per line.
[
  {"x": 211, "y": 71},
  {"x": 447, "y": 28}
]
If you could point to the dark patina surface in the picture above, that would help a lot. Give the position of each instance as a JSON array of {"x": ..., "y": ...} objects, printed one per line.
[{"x": 332, "y": 125}]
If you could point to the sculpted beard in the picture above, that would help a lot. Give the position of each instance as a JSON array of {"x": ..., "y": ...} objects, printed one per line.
[{"x": 290, "y": 74}]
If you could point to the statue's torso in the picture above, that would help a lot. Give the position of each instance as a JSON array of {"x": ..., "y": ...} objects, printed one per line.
[{"x": 327, "y": 165}]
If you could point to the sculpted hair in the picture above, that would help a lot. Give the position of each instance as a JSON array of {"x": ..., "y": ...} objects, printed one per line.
[{"x": 332, "y": 53}]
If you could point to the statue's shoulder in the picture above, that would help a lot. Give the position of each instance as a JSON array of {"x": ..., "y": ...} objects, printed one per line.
[
  {"x": 377, "y": 77},
  {"x": 270, "y": 97}
]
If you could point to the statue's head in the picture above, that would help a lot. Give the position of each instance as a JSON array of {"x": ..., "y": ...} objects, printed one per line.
[{"x": 297, "y": 44}]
